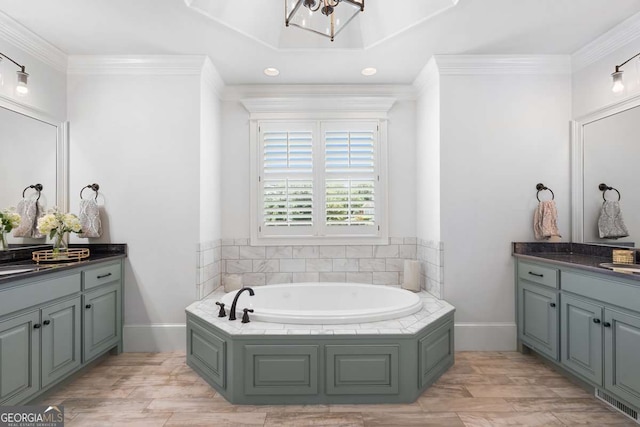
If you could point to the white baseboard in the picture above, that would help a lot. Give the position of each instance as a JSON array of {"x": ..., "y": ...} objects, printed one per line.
[
  {"x": 485, "y": 336},
  {"x": 155, "y": 338}
]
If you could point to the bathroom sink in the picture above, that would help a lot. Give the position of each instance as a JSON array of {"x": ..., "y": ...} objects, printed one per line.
[
  {"x": 6, "y": 270},
  {"x": 627, "y": 268}
]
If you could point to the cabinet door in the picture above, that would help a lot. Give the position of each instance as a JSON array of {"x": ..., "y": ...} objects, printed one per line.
[
  {"x": 60, "y": 340},
  {"x": 19, "y": 357},
  {"x": 622, "y": 349},
  {"x": 581, "y": 337},
  {"x": 538, "y": 318},
  {"x": 101, "y": 315}
]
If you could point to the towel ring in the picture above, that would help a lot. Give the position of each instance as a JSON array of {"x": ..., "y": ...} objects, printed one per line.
[
  {"x": 541, "y": 187},
  {"x": 95, "y": 187},
  {"x": 37, "y": 187},
  {"x": 604, "y": 188}
]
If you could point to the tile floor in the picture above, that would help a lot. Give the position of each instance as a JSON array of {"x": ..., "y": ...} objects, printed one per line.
[{"x": 482, "y": 389}]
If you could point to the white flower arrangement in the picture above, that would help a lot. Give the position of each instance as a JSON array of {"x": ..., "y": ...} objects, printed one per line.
[
  {"x": 56, "y": 223},
  {"x": 9, "y": 219}
]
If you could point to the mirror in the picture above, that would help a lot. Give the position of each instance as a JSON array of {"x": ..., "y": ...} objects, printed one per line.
[
  {"x": 32, "y": 152},
  {"x": 606, "y": 148}
]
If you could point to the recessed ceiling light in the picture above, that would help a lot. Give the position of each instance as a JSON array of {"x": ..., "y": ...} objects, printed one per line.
[
  {"x": 369, "y": 71},
  {"x": 271, "y": 72}
]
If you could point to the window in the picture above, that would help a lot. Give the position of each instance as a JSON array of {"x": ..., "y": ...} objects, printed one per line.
[{"x": 319, "y": 180}]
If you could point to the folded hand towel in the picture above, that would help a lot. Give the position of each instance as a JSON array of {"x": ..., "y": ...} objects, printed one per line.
[
  {"x": 90, "y": 219},
  {"x": 29, "y": 211},
  {"x": 545, "y": 220},
  {"x": 610, "y": 224}
]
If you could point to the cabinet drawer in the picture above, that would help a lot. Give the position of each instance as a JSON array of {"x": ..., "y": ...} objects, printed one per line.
[
  {"x": 541, "y": 275},
  {"x": 21, "y": 297},
  {"x": 100, "y": 275},
  {"x": 616, "y": 293}
]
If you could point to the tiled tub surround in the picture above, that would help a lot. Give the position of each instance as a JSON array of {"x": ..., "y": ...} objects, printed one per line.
[
  {"x": 390, "y": 361},
  {"x": 208, "y": 263},
  {"x": 430, "y": 253}
]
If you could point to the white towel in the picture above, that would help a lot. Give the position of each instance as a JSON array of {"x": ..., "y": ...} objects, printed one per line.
[
  {"x": 90, "y": 219},
  {"x": 545, "y": 220},
  {"x": 29, "y": 211},
  {"x": 610, "y": 224}
]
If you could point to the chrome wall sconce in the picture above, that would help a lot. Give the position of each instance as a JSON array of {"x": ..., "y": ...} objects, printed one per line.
[
  {"x": 618, "y": 83},
  {"x": 21, "y": 87},
  {"x": 337, "y": 14}
]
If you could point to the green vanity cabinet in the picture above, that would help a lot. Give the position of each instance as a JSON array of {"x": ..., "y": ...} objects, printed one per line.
[
  {"x": 19, "y": 357},
  {"x": 581, "y": 337},
  {"x": 538, "y": 318},
  {"x": 60, "y": 332},
  {"x": 598, "y": 327},
  {"x": 47, "y": 332}
]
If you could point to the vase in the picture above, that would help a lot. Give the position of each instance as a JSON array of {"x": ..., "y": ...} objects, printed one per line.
[
  {"x": 3, "y": 241},
  {"x": 59, "y": 244}
]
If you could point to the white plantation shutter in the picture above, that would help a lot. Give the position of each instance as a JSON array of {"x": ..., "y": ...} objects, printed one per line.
[
  {"x": 318, "y": 180},
  {"x": 351, "y": 177},
  {"x": 286, "y": 178}
]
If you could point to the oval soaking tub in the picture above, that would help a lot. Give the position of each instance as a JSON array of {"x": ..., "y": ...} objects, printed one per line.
[{"x": 325, "y": 303}]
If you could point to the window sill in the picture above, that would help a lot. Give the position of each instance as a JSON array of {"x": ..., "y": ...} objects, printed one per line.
[{"x": 318, "y": 240}]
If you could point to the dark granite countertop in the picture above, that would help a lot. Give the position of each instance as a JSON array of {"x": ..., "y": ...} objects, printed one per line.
[
  {"x": 22, "y": 258},
  {"x": 575, "y": 255}
]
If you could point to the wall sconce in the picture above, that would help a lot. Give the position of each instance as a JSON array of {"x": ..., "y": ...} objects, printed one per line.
[
  {"x": 21, "y": 88},
  {"x": 618, "y": 84}
]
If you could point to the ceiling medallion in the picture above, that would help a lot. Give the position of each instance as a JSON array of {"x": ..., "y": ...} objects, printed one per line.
[{"x": 334, "y": 16}]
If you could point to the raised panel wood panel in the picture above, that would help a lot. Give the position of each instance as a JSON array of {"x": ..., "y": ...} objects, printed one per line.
[
  {"x": 435, "y": 352},
  {"x": 61, "y": 351},
  {"x": 362, "y": 369},
  {"x": 581, "y": 337},
  {"x": 622, "y": 355},
  {"x": 281, "y": 369},
  {"x": 208, "y": 352},
  {"x": 102, "y": 320},
  {"x": 539, "y": 318},
  {"x": 19, "y": 358}
]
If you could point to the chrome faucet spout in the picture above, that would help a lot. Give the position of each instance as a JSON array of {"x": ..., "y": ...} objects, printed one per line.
[{"x": 232, "y": 311}]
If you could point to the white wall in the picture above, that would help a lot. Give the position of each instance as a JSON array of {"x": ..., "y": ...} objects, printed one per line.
[
  {"x": 138, "y": 136},
  {"x": 427, "y": 157},
  {"x": 210, "y": 163},
  {"x": 500, "y": 136},
  {"x": 235, "y": 170}
]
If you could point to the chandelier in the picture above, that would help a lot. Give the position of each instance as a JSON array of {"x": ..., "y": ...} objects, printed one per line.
[{"x": 334, "y": 16}]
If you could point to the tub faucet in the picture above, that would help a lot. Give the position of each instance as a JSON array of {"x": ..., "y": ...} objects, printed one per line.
[{"x": 232, "y": 312}]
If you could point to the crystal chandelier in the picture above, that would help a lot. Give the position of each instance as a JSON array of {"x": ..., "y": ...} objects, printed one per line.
[{"x": 334, "y": 16}]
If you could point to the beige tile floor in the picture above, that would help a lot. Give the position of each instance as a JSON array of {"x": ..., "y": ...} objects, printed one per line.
[{"x": 482, "y": 389}]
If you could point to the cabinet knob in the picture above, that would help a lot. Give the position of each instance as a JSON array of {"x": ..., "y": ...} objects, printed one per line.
[
  {"x": 606, "y": 324},
  {"x": 552, "y": 304},
  {"x": 88, "y": 306},
  {"x": 36, "y": 326},
  {"x": 46, "y": 322},
  {"x": 596, "y": 321}
]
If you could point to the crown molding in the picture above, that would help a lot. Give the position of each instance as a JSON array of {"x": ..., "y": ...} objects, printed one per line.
[
  {"x": 239, "y": 92},
  {"x": 503, "y": 64},
  {"x": 427, "y": 78},
  {"x": 620, "y": 35},
  {"x": 31, "y": 43},
  {"x": 319, "y": 104},
  {"x": 163, "y": 65}
]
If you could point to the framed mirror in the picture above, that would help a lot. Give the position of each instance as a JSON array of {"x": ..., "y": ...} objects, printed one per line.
[
  {"x": 605, "y": 150},
  {"x": 33, "y": 150}
]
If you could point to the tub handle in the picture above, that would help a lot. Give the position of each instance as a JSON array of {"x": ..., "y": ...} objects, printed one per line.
[
  {"x": 245, "y": 316},
  {"x": 221, "y": 313}
]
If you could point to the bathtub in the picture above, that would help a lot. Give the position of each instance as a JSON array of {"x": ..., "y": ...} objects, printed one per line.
[{"x": 325, "y": 303}]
